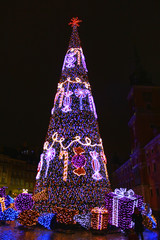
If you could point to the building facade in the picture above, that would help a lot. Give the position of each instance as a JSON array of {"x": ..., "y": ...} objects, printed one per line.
[
  {"x": 17, "y": 175},
  {"x": 141, "y": 171}
]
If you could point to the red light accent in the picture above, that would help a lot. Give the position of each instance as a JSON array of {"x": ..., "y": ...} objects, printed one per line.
[{"x": 74, "y": 22}]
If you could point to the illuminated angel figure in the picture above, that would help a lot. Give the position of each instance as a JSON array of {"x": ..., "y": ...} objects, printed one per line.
[
  {"x": 50, "y": 154},
  {"x": 95, "y": 165},
  {"x": 67, "y": 101},
  {"x": 80, "y": 93}
]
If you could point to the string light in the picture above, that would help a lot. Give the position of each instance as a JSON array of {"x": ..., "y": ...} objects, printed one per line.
[
  {"x": 23, "y": 202},
  {"x": 50, "y": 154},
  {"x": 99, "y": 218},
  {"x": 45, "y": 219},
  {"x": 40, "y": 196},
  {"x": 95, "y": 165},
  {"x": 65, "y": 154},
  {"x": 120, "y": 205},
  {"x": 10, "y": 214},
  {"x": 28, "y": 218},
  {"x": 84, "y": 220},
  {"x": 73, "y": 124},
  {"x": 65, "y": 215},
  {"x": 40, "y": 164}
]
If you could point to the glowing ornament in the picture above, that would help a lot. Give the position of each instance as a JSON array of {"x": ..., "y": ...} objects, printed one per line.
[
  {"x": 50, "y": 154},
  {"x": 79, "y": 161},
  {"x": 95, "y": 165},
  {"x": 80, "y": 93},
  {"x": 40, "y": 164},
  {"x": 23, "y": 202},
  {"x": 65, "y": 154}
]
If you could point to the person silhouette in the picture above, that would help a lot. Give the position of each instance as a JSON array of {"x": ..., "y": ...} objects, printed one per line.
[{"x": 137, "y": 219}]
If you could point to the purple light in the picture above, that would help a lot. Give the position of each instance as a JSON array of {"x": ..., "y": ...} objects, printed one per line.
[
  {"x": 78, "y": 161},
  {"x": 24, "y": 202},
  {"x": 50, "y": 154},
  {"x": 120, "y": 205}
]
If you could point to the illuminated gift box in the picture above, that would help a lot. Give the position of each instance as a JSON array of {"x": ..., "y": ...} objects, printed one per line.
[
  {"x": 99, "y": 218},
  {"x": 3, "y": 192},
  {"x": 120, "y": 205},
  {"x": 65, "y": 215}
]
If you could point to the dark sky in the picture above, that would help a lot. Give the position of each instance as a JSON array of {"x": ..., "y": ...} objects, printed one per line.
[{"x": 34, "y": 40}]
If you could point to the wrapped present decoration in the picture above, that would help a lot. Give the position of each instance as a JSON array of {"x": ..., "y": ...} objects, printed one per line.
[
  {"x": 65, "y": 215},
  {"x": 99, "y": 218},
  {"x": 120, "y": 205},
  {"x": 2, "y": 202}
]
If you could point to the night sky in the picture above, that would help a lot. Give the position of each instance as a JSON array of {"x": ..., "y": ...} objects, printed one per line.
[{"x": 34, "y": 40}]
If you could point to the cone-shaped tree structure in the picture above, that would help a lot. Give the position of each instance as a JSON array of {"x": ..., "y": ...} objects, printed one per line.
[{"x": 73, "y": 164}]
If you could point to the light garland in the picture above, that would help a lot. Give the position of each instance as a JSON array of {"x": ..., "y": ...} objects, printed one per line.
[
  {"x": 77, "y": 139},
  {"x": 77, "y": 80}
]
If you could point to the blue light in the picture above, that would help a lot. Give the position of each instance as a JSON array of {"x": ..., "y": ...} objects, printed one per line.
[
  {"x": 45, "y": 220},
  {"x": 10, "y": 214}
]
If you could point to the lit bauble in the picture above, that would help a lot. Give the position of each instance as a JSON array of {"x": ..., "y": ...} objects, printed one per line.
[{"x": 24, "y": 202}]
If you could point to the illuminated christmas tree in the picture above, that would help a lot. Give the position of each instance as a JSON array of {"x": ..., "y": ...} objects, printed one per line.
[{"x": 73, "y": 165}]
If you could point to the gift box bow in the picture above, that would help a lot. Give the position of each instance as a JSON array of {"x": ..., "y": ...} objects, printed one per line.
[{"x": 122, "y": 192}]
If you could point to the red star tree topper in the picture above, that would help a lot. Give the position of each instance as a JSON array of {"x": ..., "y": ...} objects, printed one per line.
[{"x": 75, "y": 22}]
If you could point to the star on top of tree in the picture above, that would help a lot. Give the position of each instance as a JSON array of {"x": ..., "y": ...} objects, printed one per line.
[{"x": 75, "y": 22}]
